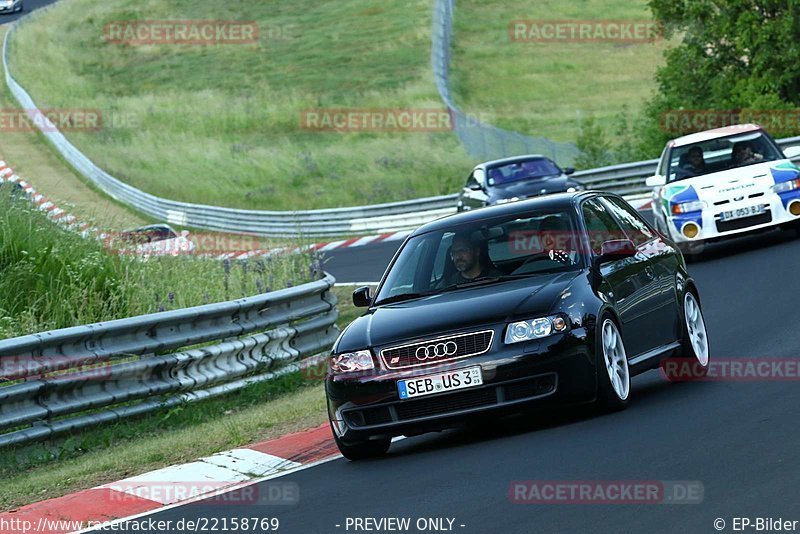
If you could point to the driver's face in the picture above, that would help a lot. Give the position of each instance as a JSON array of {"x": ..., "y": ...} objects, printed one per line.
[
  {"x": 696, "y": 158},
  {"x": 464, "y": 256},
  {"x": 744, "y": 153}
]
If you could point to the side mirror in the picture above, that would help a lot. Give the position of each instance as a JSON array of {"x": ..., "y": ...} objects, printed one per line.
[
  {"x": 361, "y": 297},
  {"x": 569, "y": 170},
  {"x": 616, "y": 249},
  {"x": 655, "y": 181},
  {"x": 792, "y": 152}
]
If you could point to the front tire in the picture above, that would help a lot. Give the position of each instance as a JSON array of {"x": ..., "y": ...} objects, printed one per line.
[
  {"x": 613, "y": 373},
  {"x": 362, "y": 450}
]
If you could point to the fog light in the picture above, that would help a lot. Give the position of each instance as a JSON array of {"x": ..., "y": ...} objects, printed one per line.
[
  {"x": 794, "y": 208},
  {"x": 690, "y": 230}
]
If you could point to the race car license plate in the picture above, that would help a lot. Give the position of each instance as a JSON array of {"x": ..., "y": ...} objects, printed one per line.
[
  {"x": 439, "y": 383},
  {"x": 740, "y": 213}
]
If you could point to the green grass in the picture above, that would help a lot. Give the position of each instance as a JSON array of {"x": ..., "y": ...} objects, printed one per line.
[
  {"x": 221, "y": 124},
  {"x": 53, "y": 278},
  {"x": 544, "y": 89}
]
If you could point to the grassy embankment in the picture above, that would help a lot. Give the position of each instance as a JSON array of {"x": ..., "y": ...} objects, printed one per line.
[
  {"x": 546, "y": 88},
  {"x": 222, "y": 123}
]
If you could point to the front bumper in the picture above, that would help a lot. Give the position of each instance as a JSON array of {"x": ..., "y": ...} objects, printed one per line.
[
  {"x": 711, "y": 228},
  {"x": 559, "y": 369}
]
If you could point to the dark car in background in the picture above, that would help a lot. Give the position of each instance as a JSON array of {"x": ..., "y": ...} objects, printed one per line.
[
  {"x": 511, "y": 179},
  {"x": 557, "y": 299}
]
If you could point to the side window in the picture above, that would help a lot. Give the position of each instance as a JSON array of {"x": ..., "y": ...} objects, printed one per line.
[
  {"x": 631, "y": 222},
  {"x": 600, "y": 225}
]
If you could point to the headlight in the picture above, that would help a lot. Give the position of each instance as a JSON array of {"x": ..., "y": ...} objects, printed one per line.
[
  {"x": 783, "y": 187},
  {"x": 348, "y": 362},
  {"x": 687, "y": 207},
  {"x": 576, "y": 188},
  {"x": 535, "y": 328}
]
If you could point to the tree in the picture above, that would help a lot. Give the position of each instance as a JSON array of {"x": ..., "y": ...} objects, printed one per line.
[{"x": 734, "y": 55}]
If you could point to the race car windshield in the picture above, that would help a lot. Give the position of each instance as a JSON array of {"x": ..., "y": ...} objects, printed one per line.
[
  {"x": 532, "y": 169},
  {"x": 721, "y": 154},
  {"x": 484, "y": 253}
]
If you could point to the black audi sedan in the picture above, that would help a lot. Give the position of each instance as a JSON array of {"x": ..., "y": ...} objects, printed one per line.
[
  {"x": 516, "y": 178},
  {"x": 558, "y": 299}
]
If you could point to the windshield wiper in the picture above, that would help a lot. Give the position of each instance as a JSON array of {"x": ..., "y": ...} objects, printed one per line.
[{"x": 401, "y": 297}]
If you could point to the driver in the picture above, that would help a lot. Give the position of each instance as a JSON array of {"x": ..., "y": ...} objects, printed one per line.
[
  {"x": 470, "y": 256},
  {"x": 696, "y": 164}
]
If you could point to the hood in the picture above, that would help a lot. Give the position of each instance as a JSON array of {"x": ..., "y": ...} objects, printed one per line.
[
  {"x": 731, "y": 185},
  {"x": 530, "y": 188},
  {"x": 455, "y": 311}
]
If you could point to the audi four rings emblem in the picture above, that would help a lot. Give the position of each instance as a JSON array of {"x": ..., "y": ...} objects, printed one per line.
[{"x": 438, "y": 350}]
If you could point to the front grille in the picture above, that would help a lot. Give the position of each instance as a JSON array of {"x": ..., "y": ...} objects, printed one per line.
[
  {"x": 437, "y": 350},
  {"x": 447, "y": 403},
  {"x": 738, "y": 224}
]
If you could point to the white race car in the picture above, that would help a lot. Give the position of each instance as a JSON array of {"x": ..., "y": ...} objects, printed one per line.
[{"x": 722, "y": 182}]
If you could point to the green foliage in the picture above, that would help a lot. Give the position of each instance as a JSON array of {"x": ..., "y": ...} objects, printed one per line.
[
  {"x": 595, "y": 148},
  {"x": 733, "y": 55},
  {"x": 598, "y": 149},
  {"x": 53, "y": 278}
]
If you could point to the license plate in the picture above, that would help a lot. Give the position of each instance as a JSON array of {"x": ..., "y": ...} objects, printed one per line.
[
  {"x": 740, "y": 213},
  {"x": 439, "y": 383}
]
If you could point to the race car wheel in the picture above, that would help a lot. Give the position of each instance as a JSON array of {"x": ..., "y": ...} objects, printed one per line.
[
  {"x": 362, "y": 450},
  {"x": 613, "y": 374},
  {"x": 694, "y": 361}
]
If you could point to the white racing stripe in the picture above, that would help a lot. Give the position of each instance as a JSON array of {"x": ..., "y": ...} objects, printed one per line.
[{"x": 288, "y": 471}]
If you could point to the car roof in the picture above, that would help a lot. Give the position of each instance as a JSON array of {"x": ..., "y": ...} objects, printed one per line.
[
  {"x": 512, "y": 159},
  {"x": 707, "y": 135},
  {"x": 553, "y": 201}
]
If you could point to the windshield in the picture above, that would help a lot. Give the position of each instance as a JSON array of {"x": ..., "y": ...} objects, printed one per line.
[
  {"x": 485, "y": 252},
  {"x": 531, "y": 169},
  {"x": 721, "y": 154}
]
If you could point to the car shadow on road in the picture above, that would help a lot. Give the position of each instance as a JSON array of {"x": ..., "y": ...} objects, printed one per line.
[
  {"x": 741, "y": 245},
  {"x": 650, "y": 392}
]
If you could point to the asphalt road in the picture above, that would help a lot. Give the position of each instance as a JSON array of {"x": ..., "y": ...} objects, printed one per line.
[
  {"x": 738, "y": 439},
  {"x": 30, "y": 5}
]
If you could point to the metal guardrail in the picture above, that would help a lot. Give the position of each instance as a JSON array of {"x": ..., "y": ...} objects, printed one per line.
[{"x": 58, "y": 381}]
